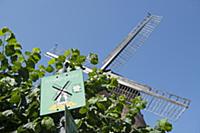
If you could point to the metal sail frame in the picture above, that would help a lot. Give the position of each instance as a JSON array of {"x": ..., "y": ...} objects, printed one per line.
[
  {"x": 132, "y": 42},
  {"x": 159, "y": 102}
]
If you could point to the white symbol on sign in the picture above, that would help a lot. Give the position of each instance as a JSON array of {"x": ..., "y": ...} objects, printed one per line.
[{"x": 76, "y": 88}]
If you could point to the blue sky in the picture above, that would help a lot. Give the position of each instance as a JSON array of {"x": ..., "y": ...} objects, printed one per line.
[{"x": 169, "y": 59}]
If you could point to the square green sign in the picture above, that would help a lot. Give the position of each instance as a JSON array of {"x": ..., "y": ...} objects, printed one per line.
[{"x": 62, "y": 90}]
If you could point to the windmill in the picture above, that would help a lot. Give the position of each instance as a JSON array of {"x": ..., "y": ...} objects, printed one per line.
[{"x": 159, "y": 102}]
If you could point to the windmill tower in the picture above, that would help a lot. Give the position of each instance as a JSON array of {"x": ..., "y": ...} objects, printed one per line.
[{"x": 159, "y": 102}]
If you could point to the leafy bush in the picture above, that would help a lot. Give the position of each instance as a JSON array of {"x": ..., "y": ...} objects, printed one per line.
[{"x": 19, "y": 94}]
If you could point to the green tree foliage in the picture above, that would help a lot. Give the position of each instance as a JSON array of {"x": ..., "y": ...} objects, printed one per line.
[{"x": 19, "y": 94}]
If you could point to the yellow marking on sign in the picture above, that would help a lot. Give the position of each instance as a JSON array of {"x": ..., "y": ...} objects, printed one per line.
[{"x": 61, "y": 105}]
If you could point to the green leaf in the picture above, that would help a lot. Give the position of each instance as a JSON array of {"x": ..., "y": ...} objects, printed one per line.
[
  {"x": 24, "y": 73},
  {"x": 32, "y": 111},
  {"x": 20, "y": 59},
  {"x": 4, "y": 64},
  {"x": 36, "y": 57},
  {"x": 16, "y": 66},
  {"x": 20, "y": 129},
  {"x": 164, "y": 125},
  {"x": 48, "y": 123},
  {"x": 101, "y": 106},
  {"x": 93, "y": 100},
  {"x": 34, "y": 77},
  {"x": 93, "y": 73},
  {"x": 15, "y": 97},
  {"x": 83, "y": 110},
  {"x": 114, "y": 115},
  {"x": 9, "y": 50},
  {"x": 11, "y": 38},
  {"x": 1, "y": 42},
  {"x": 78, "y": 122},
  {"x": 75, "y": 52},
  {"x": 49, "y": 69},
  {"x": 36, "y": 50},
  {"x": 41, "y": 67},
  {"x": 118, "y": 109},
  {"x": 52, "y": 61},
  {"x": 59, "y": 65},
  {"x": 67, "y": 52},
  {"x": 1, "y": 33},
  {"x": 4, "y": 30},
  {"x": 30, "y": 64},
  {"x": 122, "y": 98},
  {"x": 113, "y": 83},
  {"x": 93, "y": 58},
  {"x": 41, "y": 74},
  {"x": 27, "y": 53},
  {"x": 2, "y": 57},
  {"x": 61, "y": 58},
  {"x": 18, "y": 46},
  {"x": 80, "y": 59},
  {"x": 18, "y": 52},
  {"x": 13, "y": 58}
]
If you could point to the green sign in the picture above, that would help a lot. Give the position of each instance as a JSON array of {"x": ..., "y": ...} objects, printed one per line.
[
  {"x": 70, "y": 125},
  {"x": 62, "y": 90}
]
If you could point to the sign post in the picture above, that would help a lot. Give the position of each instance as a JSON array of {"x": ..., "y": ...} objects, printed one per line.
[{"x": 70, "y": 125}]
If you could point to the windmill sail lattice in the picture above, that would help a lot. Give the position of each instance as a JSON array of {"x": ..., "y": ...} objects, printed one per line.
[
  {"x": 159, "y": 102},
  {"x": 132, "y": 42}
]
